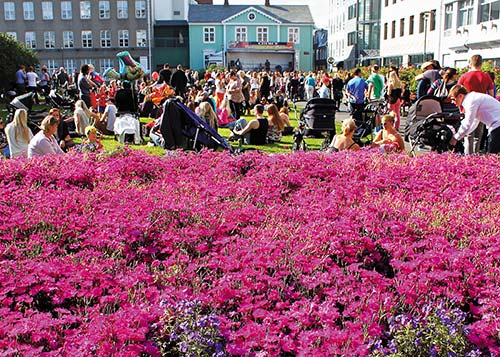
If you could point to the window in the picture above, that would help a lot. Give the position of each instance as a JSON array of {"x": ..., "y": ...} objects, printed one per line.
[
  {"x": 293, "y": 34},
  {"x": 351, "y": 12},
  {"x": 142, "y": 38},
  {"x": 104, "y": 64},
  {"x": 393, "y": 29},
  {"x": 489, "y": 10},
  {"x": 140, "y": 9},
  {"x": 66, "y": 10},
  {"x": 122, "y": 9},
  {"x": 123, "y": 38},
  {"x": 68, "y": 39},
  {"x": 13, "y": 35},
  {"x": 422, "y": 22},
  {"x": 401, "y": 27},
  {"x": 104, "y": 11},
  {"x": 351, "y": 38},
  {"x": 465, "y": 9},
  {"x": 30, "y": 39},
  {"x": 87, "y": 39},
  {"x": 412, "y": 24},
  {"x": 262, "y": 34},
  {"x": 85, "y": 10},
  {"x": 47, "y": 10},
  {"x": 105, "y": 38},
  {"x": 9, "y": 10},
  {"x": 432, "y": 18},
  {"x": 241, "y": 34},
  {"x": 448, "y": 16},
  {"x": 28, "y": 11},
  {"x": 209, "y": 35},
  {"x": 49, "y": 39},
  {"x": 386, "y": 26},
  {"x": 51, "y": 65},
  {"x": 70, "y": 65}
]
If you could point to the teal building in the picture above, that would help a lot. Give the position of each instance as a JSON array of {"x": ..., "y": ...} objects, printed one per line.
[{"x": 251, "y": 36}]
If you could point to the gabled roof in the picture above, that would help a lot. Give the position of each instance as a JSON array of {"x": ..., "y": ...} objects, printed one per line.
[{"x": 219, "y": 13}]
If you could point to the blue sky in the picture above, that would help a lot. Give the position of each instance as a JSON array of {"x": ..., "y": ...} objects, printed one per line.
[{"x": 319, "y": 8}]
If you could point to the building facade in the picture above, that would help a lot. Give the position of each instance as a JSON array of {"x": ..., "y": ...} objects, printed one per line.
[
  {"x": 71, "y": 33},
  {"x": 320, "y": 47},
  {"x": 410, "y": 32},
  {"x": 469, "y": 27},
  {"x": 171, "y": 33},
  {"x": 251, "y": 36}
]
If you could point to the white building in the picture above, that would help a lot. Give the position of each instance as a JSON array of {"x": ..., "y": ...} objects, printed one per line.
[
  {"x": 410, "y": 32},
  {"x": 469, "y": 27}
]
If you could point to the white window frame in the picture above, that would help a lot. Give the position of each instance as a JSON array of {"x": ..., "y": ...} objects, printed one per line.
[
  {"x": 28, "y": 11},
  {"x": 30, "y": 39},
  {"x": 104, "y": 9},
  {"x": 52, "y": 65},
  {"x": 489, "y": 4},
  {"x": 105, "y": 63},
  {"x": 140, "y": 9},
  {"x": 68, "y": 39},
  {"x": 85, "y": 10},
  {"x": 86, "y": 38},
  {"x": 448, "y": 16},
  {"x": 209, "y": 34},
  {"x": 123, "y": 38},
  {"x": 240, "y": 34},
  {"x": 294, "y": 34},
  {"x": 465, "y": 7},
  {"x": 47, "y": 10},
  {"x": 9, "y": 11},
  {"x": 141, "y": 37},
  {"x": 105, "y": 37},
  {"x": 122, "y": 9},
  {"x": 49, "y": 39},
  {"x": 262, "y": 34},
  {"x": 66, "y": 10},
  {"x": 70, "y": 65}
]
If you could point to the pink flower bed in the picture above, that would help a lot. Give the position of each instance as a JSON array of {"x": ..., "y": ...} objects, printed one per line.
[{"x": 305, "y": 254}]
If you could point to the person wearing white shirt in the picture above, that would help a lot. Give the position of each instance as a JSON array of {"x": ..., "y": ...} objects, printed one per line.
[
  {"x": 44, "y": 142},
  {"x": 477, "y": 107},
  {"x": 18, "y": 134},
  {"x": 32, "y": 77}
]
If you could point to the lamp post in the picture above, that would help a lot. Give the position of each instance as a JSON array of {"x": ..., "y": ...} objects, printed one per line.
[{"x": 426, "y": 19}]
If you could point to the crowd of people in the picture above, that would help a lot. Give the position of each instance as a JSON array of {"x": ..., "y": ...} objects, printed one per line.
[{"x": 223, "y": 97}]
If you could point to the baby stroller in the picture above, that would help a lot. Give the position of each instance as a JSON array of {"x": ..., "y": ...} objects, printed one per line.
[
  {"x": 318, "y": 115},
  {"x": 26, "y": 101},
  {"x": 370, "y": 115},
  {"x": 59, "y": 101},
  {"x": 428, "y": 127},
  {"x": 181, "y": 128}
]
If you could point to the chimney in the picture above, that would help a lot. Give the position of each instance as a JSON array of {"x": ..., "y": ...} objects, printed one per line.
[
  {"x": 268, "y": 3},
  {"x": 226, "y": 2},
  {"x": 205, "y": 2}
]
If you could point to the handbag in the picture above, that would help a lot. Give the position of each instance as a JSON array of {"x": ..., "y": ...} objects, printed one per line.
[{"x": 441, "y": 91}]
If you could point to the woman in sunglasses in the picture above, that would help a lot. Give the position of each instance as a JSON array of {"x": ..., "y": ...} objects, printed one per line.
[{"x": 388, "y": 139}]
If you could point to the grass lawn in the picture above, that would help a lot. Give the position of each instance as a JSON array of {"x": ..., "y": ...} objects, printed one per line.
[{"x": 285, "y": 146}]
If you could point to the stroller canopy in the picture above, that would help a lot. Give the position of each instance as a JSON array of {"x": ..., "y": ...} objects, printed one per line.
[
  {"x": 319, "y": 114},
  {"x": 180, "y": 125}
]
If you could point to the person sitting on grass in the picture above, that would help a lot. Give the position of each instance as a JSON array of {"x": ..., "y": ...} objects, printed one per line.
[
  {"x": 44, "y": 142},
  {"x": 388, "y": 139},
  {"x": 253, "y": 132},
  {"x": 276, "y": 125},
  {"x": 62, "y": 135},
  {"x": 344, "y": 141},
  {"x": 207, "y": 113},
  {"x": 91, "y": 143},
  {"x": 18, "y": 134},
  {"x": 225, "y": 118}
]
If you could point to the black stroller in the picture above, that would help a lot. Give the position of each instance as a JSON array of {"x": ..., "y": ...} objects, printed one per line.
[
  {"x": 428, "y": 127},
  {"x": 370, "y": 118},
  {"x": 26, "y": 101},
  {"x": 181, "y": 128},
  {"x": 61, "y": 102},
  {"x": 318, "y": 116}
]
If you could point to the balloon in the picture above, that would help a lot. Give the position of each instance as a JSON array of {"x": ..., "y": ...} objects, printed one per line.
[
  {"x": 155, "y": 76},
  {"x": 129, "y": 70}
]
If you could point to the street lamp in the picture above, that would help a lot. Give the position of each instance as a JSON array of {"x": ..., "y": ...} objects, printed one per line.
[{"x": 426, "y": 16}]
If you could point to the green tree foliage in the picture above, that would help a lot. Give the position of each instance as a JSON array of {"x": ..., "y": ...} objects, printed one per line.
[{"x": 12, "y": 55}]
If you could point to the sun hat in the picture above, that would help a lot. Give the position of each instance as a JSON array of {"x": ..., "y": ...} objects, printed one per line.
[
  {"x": 427, "y": 64},
  {"x": 89, "y": 129}
]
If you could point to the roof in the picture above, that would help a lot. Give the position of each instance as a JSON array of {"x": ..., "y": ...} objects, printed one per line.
[{"x": 218, "y": 13}]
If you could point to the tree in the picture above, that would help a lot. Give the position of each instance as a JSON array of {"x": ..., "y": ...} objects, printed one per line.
[{"x": 12, "y": 55}]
